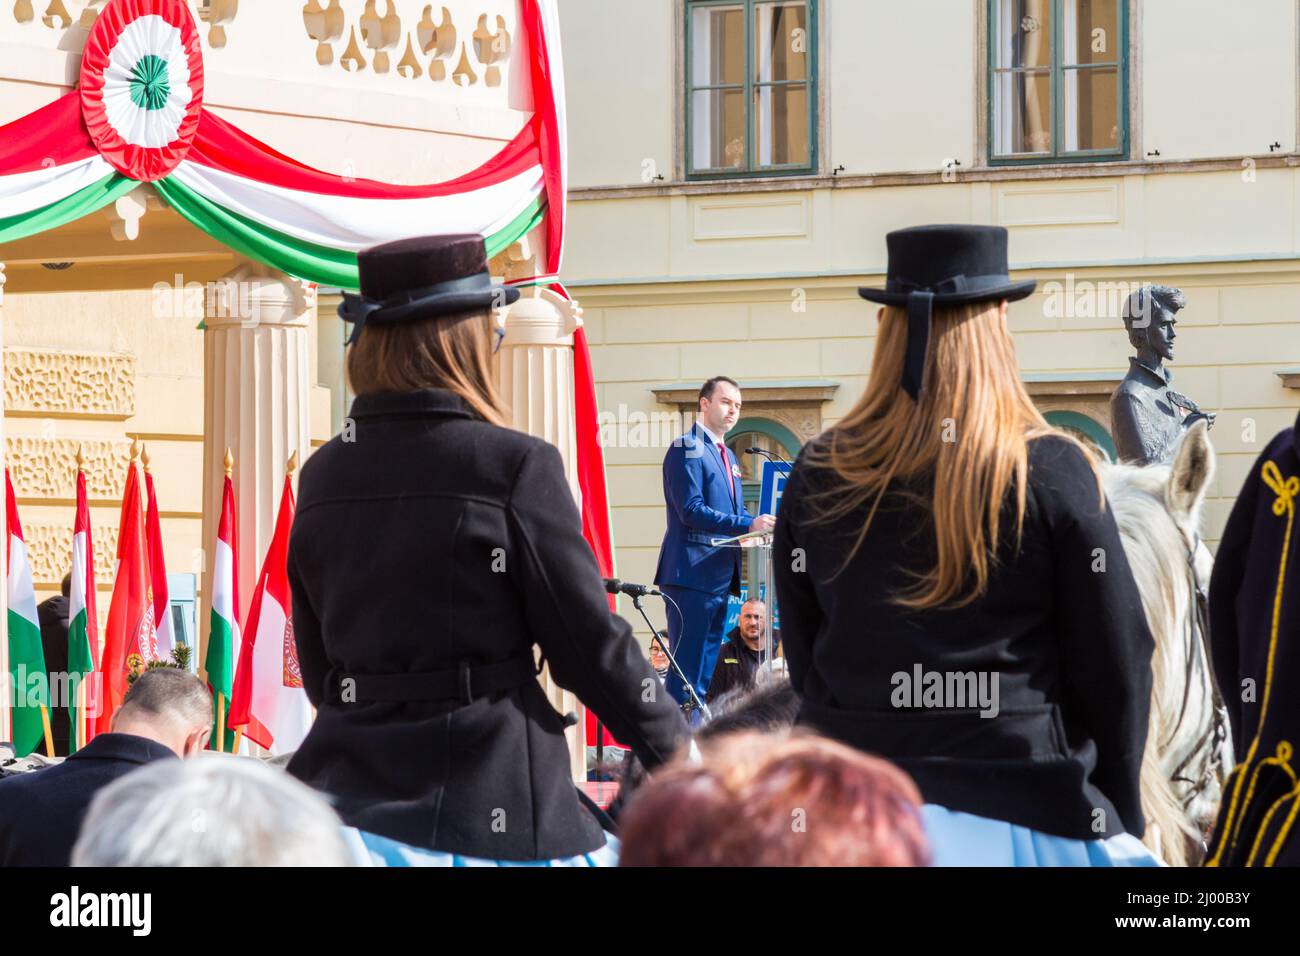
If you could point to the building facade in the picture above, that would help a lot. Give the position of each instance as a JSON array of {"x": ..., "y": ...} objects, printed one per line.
[
  {"x": 131, "y": 325},
  {"x": 736, "y": 168}
]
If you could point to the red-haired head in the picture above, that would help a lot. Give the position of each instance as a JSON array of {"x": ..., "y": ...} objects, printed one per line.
[{"x": 776, "y": 800}]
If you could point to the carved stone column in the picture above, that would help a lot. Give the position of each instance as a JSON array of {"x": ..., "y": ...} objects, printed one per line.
[
  {"x": 535, "y": 377},
  {"x": 6, "y": 700},
  {"x": 257, "y": 378}
]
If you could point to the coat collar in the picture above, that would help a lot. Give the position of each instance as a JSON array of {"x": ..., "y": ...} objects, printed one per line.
[
  {"x": 738, "y": 642},
  {"x": 708, "y": 438},
  {"x": 128, "y": 748},
  {"x": 435, "y": 402},
  {"x": 1156, "y": 378},
  {"x": 708, "y": 435},
  {"x": 723, "y": 459}
]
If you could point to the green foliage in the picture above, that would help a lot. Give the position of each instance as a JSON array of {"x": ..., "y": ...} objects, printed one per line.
[{"x": 135, "y": 665}]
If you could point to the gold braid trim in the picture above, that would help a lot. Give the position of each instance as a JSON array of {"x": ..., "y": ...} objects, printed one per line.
[
  {"x": 1286, "y": 828},
  {"x": 1282, "y": 760},
  {"x": 1286, "y": 491}
]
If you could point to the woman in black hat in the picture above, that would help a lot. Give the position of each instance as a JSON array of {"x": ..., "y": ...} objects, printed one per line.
[
  {"x": 433, "y": 548},
  {"x": 952, "y": 588}
]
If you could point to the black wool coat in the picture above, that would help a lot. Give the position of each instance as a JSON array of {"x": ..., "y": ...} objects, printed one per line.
[
  {"x": 41, "y": 812},
  {"x": 53, "y": 616},
  {"x": 432, "y": 538},
  {"x": 1255, "y": 643},
  {"x": 1068, "y": 645}
]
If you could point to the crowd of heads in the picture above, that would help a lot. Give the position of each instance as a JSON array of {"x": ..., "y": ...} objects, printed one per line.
[
  {"x": 218, "y": 810},
  {"x": 751, "y": 792}
]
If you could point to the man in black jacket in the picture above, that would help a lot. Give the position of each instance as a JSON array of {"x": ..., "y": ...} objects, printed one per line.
[
  {"x": 741, "y": 653},
  {"x": 167, "y": 713},
  {"x": 1254, "y": 625},
  {"x": 53, "y": 616}
]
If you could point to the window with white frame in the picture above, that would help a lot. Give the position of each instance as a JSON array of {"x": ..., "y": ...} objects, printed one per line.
[
  {"x": 751, "y": 87},
  {"x": 1058, "y": 72}
]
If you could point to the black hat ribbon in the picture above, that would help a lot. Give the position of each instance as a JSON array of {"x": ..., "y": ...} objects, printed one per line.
[
  {"x": 360, "y": 310},
  {"x": 920, "y": 307}
]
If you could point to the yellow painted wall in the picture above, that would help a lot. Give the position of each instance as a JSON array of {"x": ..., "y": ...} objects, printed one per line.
[
  {"x": 902, "y": 84},
  {"x": 681, "y": 281},
  {"x": 1219, "y": 79}
]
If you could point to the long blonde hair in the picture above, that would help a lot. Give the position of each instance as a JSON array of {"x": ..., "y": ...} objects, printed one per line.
[
  {"x": 965, "y": 443},
  {"x": 449, "y": 351}
]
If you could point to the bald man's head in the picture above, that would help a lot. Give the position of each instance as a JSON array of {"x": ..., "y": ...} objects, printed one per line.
[{"x": 170, "y": 706}]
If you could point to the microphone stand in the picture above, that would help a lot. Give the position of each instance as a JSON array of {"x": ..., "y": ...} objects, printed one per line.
[
  {"x": 695, "y": 702},
  {"x": 777, "y": 459}
]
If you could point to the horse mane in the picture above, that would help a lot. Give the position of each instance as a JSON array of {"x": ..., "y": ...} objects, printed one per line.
[{"x": 1157, "y": 555}]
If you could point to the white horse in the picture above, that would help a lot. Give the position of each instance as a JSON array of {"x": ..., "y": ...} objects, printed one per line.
[{"x": 1189, "y": 750}]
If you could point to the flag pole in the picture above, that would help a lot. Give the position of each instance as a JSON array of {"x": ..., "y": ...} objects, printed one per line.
[
  {"x": 77, "y": 732},
  {"x": 49, "y": 734},
  {"x": 77, "y": 727},
  {"x": 229, "y": 463}
]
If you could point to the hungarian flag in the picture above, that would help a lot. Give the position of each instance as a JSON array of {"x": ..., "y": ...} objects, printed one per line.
[
  {"x": 83, "y": 626},
  {"x": 597, "y": 527},
  {"x": 26, "y": 656},
  {"x": 223, "y": 637},
  {"x": 268, "y": 699},
  {"x": 130, "y": 629},
  {"x": 137, "y": 116},
  {"x": 157, "y": 571}
]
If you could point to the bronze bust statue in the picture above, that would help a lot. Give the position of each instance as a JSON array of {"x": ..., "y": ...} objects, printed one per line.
[{"x": 1147, "y": 416}]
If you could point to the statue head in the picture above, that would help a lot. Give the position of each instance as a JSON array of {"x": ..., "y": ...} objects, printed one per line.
[{"x": 1149, "y": 317}]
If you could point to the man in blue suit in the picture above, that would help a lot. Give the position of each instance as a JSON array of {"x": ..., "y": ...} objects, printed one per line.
[{"x": 704, "y": 500}]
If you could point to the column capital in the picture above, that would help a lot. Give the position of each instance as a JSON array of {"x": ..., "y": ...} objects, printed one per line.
[
  {"x": 253, "y": 295},
  {"x": 519, "y": 260},
  {"x": 541, "y": 317}
]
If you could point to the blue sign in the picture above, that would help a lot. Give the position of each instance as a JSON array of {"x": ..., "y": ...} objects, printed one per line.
[{"x": 774, "y": 477}]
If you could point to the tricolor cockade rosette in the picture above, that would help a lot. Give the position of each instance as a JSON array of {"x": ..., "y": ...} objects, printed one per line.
[
  {"x": 142, "y": 86},
  {"x": 138, "y": 116}
]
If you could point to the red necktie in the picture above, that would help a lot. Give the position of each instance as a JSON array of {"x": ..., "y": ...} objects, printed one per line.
[{"x": 726, "y": 465}]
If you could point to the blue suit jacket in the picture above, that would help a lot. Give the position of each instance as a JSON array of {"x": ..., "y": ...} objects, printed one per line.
[
  {"x": 700, "y": 506},
  {"x": 41, "y": 811}
]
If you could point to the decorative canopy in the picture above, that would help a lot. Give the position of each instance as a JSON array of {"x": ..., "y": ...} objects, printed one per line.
[{"x": 137, "y": 116}]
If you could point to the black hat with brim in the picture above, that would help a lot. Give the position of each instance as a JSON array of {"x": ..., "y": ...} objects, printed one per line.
[
  {"x": 422, "y": 278},
  {"x": 942, "y": 265}
]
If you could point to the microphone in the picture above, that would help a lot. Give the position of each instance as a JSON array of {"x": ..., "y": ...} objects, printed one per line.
[
  {"x": 768, "y": 455},
  {"x": 615, "y": 586}
]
